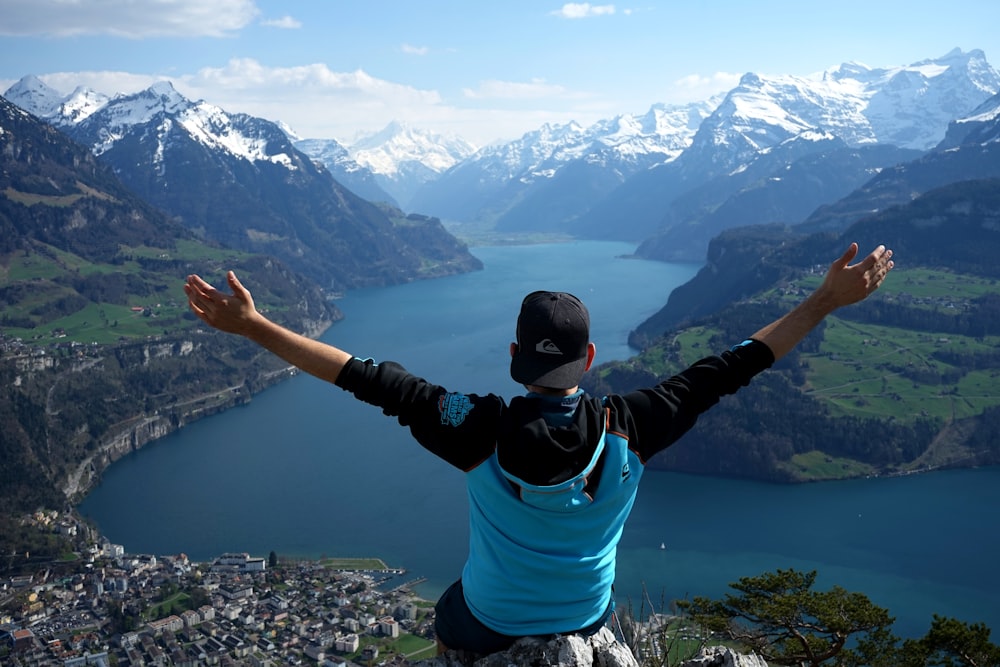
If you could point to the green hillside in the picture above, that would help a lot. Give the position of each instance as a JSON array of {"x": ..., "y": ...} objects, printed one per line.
[{"x": 903, "y": 382}]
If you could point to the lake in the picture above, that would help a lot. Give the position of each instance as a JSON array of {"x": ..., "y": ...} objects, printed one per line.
[{"x": 306, "y": 470}]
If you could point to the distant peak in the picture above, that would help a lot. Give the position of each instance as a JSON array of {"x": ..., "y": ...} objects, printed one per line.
[
  {"x": 955, "y": 54},
  {"x": 34, "y": 95},
  {"x": 165, "y": 96},
  {"x": 32, "y": 81},
  {"x": 31, "y": 84},
  {"x": 166, "y": 90},
  {"x": 163, "y": 87},
  {"x": 289, "y": 131}
]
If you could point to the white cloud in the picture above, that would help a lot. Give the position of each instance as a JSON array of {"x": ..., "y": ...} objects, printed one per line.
[
  {"x": 285, "y": 22},
  {"x": 582, "y": 10},
  {"x": 415, "y": 50},
  {"x": 247, "y": 75},
  {"x": 514, "y": 90},
  {"x": 126, "y": 18},
  {"x": 317, "y": 102},
  {"x": 313, "y": 99},
  {"x": 699, "y": 87}
]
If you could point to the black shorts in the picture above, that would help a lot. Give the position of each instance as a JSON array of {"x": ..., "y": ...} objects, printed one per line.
[{"x": 458, "y": 629}]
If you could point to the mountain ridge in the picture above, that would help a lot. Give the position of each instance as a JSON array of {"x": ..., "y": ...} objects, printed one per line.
[
  {"x": 619, "y": 177},
  {"x": 892, "y": 386},
  {"x": 762, "y": 112},
  {"x": 239, "y": 180}
]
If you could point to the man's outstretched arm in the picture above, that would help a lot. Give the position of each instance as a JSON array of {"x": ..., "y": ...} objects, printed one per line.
[
  {"x": 843, "y": 285},
  {"x": 235, "y": 313}
]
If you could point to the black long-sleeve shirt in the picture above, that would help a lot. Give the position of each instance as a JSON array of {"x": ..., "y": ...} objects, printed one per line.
[{"x": 465, "y": 429}]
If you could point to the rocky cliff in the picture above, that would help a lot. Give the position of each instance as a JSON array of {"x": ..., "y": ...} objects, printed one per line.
[{"x": 600, "y": 650}]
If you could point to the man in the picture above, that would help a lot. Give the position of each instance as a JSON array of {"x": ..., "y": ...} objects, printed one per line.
[{"x": 551, "y": 475}]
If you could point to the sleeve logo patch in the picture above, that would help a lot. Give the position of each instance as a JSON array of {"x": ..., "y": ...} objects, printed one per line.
[{"x": 454, "y": 408}]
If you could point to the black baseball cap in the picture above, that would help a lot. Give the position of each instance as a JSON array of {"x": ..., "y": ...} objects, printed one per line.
[{"x": 553, "y": 332}]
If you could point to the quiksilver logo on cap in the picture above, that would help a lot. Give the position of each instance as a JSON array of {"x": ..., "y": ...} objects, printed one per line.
[{"x": 546, "y": 346}]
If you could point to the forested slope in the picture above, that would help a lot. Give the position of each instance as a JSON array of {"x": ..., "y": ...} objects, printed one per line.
[{"x": 902, "y": 382}]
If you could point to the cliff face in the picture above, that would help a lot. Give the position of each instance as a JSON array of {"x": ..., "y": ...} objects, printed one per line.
[
  {"x": 134, "y": 436},
  {"x": 71, "y": 411}
]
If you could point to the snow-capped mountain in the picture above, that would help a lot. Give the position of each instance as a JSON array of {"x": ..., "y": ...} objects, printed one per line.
[
  {"x": 332, "y": 155},
  {"x": 238, "y": 180},
  {"x": 969, "y": 152},
  {"x": 619, "y": 177},
  {"x": 403, "y": 158},
  {"x": 161, "y": 110},
  {"x": 397, "y": 143},
  {"x": 35, "y": 97},
  {"x": 633, "y": 176},
  {"x": 982, "y": 126},
  {"x": 80, "y": 104},
  {"x": 506, "y": 184},
  {"x": 39, "y": 99},
  {"x": 907, "y": 107}
]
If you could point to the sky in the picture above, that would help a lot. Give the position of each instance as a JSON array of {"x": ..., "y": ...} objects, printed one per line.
[{"x": 481, "y": 70}]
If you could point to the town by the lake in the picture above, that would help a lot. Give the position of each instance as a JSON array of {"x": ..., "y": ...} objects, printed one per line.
[{"x": 107, "y": 606}]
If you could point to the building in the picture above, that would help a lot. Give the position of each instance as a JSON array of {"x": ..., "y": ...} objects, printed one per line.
[
  {"x": 21, "y": 640},
  {"x": 348, "y": 643},
  {"x": 239, "y": 562},
  {"x": 112, "y": 550},
  {"x": 315, "y": 651},
  {"x": 388, "y": 626},
  {"x": 406, "y": 612},
  {"x": 172, "y": 623}
]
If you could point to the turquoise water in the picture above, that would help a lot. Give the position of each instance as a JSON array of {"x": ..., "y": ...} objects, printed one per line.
[{"x": 306, "y": 470}]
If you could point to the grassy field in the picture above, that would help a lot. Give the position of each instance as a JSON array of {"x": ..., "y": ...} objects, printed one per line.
[
  {"x": 924, "y": 283},
  {"x": 819, "y": 466},
  {"x": 415, "y": 648},
  {"x": 932, "y": 284},
  {"x": 869, "y": 370},
  {"x": 175, "y": 604},
  {"x": 155, "y": 304},
  {"x": 354, "y": 563},
  {"x": 874, "y": 371}
]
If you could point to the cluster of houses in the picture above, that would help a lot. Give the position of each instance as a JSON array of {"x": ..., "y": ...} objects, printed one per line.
[{"x": 127, "y": 609}]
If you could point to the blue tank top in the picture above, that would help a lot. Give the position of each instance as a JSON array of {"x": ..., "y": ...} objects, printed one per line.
[{"x": 542, "y": 558}]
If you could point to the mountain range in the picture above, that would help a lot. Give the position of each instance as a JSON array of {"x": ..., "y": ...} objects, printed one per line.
[
  {"x": 772, "y": 149},
  {"x": 775, "y": 148},
  {"x": 239, "y": 180}
]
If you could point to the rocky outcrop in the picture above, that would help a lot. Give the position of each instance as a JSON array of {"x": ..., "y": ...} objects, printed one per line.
[
  {"x": 722, "y": 656},
  {"x": 600, "y": 649}
]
